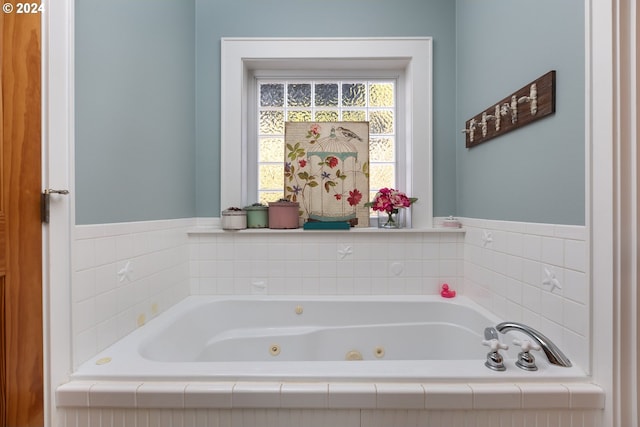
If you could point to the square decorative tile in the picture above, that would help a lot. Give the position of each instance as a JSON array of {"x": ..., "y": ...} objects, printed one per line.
[
  {"x": 352, "y": 395},
  {"x": 544, "y": 396},
  {"x": 399, "y": 396},
  {"x": 304, "y": 395},
  {"x": 73, "y": 394},
  {"x": 160, "y": 395},
  {"x": 114, "y": 395},
  {"x": 582, "y": 395},
  {"x": 448, "y": 396},
  {"x": 496, "y": 396},
  {"x": 256, "y": 395},
  {"x": 209, "y": 395}
]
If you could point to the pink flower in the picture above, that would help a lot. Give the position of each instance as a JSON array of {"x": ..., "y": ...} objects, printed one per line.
[
  {"x": 302, "y": 163},
  {"x": 354, "y": 197},
  {"x": 390, "y": 200},
  {"x": 314, "y": 129}
]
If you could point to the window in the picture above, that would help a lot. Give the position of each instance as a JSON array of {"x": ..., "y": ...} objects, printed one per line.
[
  {"x": 280, "y": 100},
  {"x": 405, "y": 62}
]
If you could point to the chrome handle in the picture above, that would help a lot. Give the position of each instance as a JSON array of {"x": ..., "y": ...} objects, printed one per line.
[
  {"x": 52, "y": 191},
  {"x": 45, "y": 202}
]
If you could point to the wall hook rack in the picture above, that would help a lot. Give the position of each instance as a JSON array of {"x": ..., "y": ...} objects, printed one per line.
[{"x": 539, "y": 96}]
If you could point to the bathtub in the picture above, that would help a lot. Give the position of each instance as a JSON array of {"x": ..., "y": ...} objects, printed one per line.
[
  {"x": 311, "y": 361},
  {"x": 333, "y": 339}
]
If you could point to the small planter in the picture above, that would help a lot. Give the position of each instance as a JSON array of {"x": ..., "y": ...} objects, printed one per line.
[
  {"x": 234, "y": 219},
  {"x": 257, "y": 216},
  {"x": 283, "y": 214}
]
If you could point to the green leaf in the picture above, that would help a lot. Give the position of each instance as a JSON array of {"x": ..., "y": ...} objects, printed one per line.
[{"x": 313, "y": 184}]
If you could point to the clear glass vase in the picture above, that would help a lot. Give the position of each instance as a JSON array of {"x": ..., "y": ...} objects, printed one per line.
[{"x": 394, "y": 219}]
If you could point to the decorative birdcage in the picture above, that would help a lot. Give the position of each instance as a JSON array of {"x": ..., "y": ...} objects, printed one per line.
[{"x": 326, "y": 170}]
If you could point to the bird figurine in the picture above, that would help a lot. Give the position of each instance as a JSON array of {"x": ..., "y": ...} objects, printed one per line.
[{"x": 348, "y": 133}]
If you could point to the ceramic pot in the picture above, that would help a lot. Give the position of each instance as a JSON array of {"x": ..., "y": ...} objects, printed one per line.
[
  {"x": 283, "y": 214},
  {"x": 257, "y": 216},
  {"x": 234, "y": 219}
]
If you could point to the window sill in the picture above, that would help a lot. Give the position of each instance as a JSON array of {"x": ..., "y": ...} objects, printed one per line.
[{"x": 366, "y": 230}]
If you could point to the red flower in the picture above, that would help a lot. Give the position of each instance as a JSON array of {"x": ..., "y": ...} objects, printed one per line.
[
  {"x": 354, "y": 197},
  {"x": 338, "y": 196},
  {"x": 314, "y": 129},
  {"x": 302, "y": 163},
  {"x": 332, "y": 161}
]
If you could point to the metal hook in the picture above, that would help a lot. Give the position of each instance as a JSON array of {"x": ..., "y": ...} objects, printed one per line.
[
  {"x": 532, "y": 99},
  {"x": 471, "y": 130}
]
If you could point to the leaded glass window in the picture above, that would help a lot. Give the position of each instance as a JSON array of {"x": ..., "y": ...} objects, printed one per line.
[{"x": 280, "y": 101}]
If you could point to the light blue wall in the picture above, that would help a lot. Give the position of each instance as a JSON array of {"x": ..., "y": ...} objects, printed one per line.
[
  {"x": 309, "y": 18},
  {"x": 135, "y": 112},
  {"x": 148, "y": 99},
  {"x": 535, "y": 173}
]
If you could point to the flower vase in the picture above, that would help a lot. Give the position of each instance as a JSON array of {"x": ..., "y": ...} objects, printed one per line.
[{"x": 393, "y": 219}]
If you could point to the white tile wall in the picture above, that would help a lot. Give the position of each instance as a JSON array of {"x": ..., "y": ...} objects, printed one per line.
[
  {"x": 316, "y": 404},
  {"x": 312, "y": 263},
  {"x": 513, "y": 274},
  {"x": 123, "y": 275},
  {"x": 82, "y": 417}
]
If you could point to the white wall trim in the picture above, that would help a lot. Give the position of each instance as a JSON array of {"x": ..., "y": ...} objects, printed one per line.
[
  {"x": 57, "y": 161},
  {"x": 239, "y": 54},
  {"x": 610, "y": 130}
]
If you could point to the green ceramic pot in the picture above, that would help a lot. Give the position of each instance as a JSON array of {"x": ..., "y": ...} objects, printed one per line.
[{"x": 257, "y": 216}]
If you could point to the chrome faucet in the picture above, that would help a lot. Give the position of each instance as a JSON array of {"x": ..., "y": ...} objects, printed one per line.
[
  {"x": 494, "y": 360},
  {"x": 553, "y": 353}
]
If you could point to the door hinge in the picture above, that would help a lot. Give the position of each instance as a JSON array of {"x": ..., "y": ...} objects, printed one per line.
[{"x": 45, "y": 201}]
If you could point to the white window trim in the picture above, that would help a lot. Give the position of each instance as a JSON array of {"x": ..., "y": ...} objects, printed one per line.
[{"x": 240, "y": 55}]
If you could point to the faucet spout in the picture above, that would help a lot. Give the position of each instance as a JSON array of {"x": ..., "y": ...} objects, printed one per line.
[{"x": 553, "y": 353}]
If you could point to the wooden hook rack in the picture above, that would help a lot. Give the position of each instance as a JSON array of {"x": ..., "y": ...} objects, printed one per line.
[{"x": 526, "y": 105}]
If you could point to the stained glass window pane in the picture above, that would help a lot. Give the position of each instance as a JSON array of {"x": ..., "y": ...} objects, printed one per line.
[
  {"x": 382, "y": 150},
  {"x": 299, "y": 95},
  {"x": 299, "y": 116},
  {"x": 354, "y": 116},
  {"x": 381, "y": 175},
  {"x": 381, "y": 95},
  {"x": 271, "y": 176},
  {"x": 326, "y": 116},
  {"x": 354, "y": 94},
  {"x": 270, "y": 196},
  {"x": 326, "y": 101},
  {"x": 381, "y": 122},
  {"x": 326, "y": 95},
  {"x": 272, "y": 95},
  {"x": 271, "y": 123},
  {"x": 271, "y": 149}
]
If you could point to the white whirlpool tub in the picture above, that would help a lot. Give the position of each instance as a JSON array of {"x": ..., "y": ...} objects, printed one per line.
[
  {"x": 313, "y": 338},
  {"x": 320, "y": 361}
]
